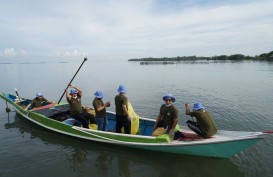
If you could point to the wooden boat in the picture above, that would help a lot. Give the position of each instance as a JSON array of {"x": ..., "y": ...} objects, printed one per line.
[{"x": 224, "y": 144}]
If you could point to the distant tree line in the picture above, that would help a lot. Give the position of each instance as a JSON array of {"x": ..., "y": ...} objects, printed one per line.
[{"x": 235, "y": 57}]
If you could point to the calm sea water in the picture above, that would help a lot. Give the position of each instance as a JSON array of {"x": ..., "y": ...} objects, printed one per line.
[{"x": 239, "y": 96}]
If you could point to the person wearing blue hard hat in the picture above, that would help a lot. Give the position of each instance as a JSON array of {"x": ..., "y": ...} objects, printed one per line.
[
  {"x": 73, "y": 91},
  {"x": 73, "y": 97},
  {"x": 204, "y": 125},
  {"x": 122, "y": 116},
  {"x": 168, "y": 115},
  {"x": 100, "y": 109},
  {"x": 121, "y": 89},
  {"x": 38, "y": 101}
]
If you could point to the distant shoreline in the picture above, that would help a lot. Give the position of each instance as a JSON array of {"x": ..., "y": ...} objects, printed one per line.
[{"x": 235, "y": 57}]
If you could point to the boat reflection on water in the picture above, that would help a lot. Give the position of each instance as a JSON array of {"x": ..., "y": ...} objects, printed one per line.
[
  {"x": 77, "y": 160},
  {"x": 103, "y": 163},
  {"x": 74, "y": 157}
]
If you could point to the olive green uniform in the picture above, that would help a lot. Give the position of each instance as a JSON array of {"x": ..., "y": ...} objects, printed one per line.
[
  {"x": 119, "y": 101},
  {"x": 121, "y": 117},
  {"x": 205, "y": 122},
  {"x": 75, "y": 105},
  {"x": 98, "y": 103},
  {"x": 35, "y": 103},
  {"x": 168, "y": 114}
]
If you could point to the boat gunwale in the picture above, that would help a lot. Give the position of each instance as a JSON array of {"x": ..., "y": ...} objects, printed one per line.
[{"x": 175, "y": 142}]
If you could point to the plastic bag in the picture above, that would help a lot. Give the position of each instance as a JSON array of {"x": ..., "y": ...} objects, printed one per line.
[
  {"x": 134, "y": 120},
  {"x": 93, "y": 126}
]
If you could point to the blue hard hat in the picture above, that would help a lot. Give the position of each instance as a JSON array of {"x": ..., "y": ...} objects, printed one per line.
[
  {"x": 121, "y": 89},
  {"x": 170, "y": 96},
  {"x": 73, "y": 91},
  {"x": 197, "y": 106},
  {"x": 98, "y": 94},
  {"x": 39, "y": 95}
]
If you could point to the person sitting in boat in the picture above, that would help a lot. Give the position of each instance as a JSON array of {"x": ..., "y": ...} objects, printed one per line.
[
  {"x": 204, "y": 125},
  {"x": 38, "y": 101},
  {"x": 100, "y": 109},
  {"x": 74, "y": 99},
  {"x": 122, "y": 115},
  {"x": 168, "y": 115}
]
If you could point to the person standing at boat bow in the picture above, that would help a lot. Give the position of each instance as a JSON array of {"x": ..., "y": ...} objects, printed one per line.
[
  {"x": 74, "y": 100},
  {"x": 168, "y": 115},
  {"x": 100, "y": 109},
  {"x": 122, "y": 115},
  {"x": 204, "y": 125}
]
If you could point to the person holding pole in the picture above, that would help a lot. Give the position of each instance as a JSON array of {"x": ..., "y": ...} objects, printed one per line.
[
  {"x": 85, "y": 59},
  {"x": 74, "y": 99}
]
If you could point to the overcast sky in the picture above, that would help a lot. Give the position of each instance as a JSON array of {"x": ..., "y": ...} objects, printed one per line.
[{"x": 121, "y": 29}]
